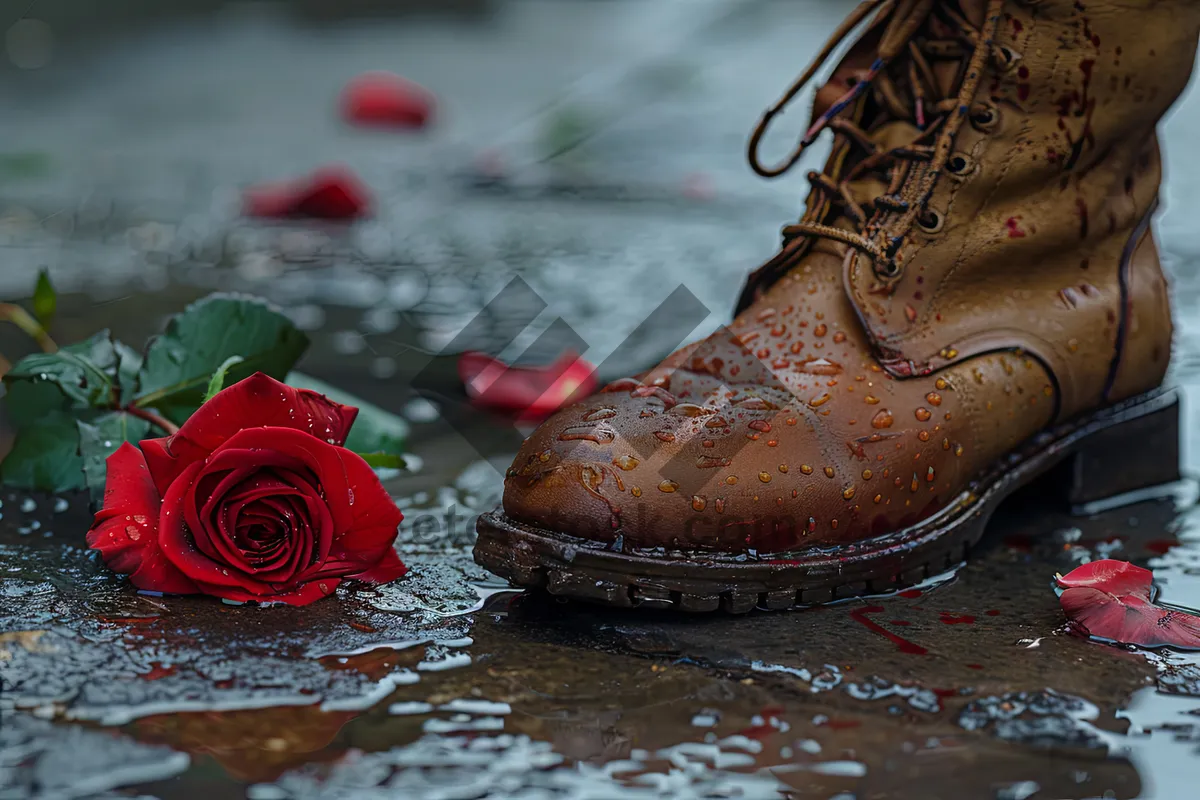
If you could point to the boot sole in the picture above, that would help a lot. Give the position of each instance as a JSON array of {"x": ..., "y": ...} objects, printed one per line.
[{"x": 1124, "y": 449}]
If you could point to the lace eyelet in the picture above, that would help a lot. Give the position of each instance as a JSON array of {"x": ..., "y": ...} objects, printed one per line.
[
  {"x": 961, "y": 165},
  {"x": 1009, "y": 58},
  {"x": 930, "y": 221},
  {"x": 888, "y": 269},
  {"x": 985, "y": 117}
]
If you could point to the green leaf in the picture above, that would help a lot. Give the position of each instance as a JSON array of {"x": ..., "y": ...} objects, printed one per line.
[
  {"x": 45, "y": 299},
  {"x": 129, "y": 364},
  {"x": 374, "y": 431},
  {"x": 180, "y": 362},
  {"x": 218, "y": 379},
  {"x": 82, "y": 372},
  {"x": 45, "y": 456},
  {"x": 100, "y": 439},
  {"x": 384, "y": 460},
  {"x": 24, "y": 165}
]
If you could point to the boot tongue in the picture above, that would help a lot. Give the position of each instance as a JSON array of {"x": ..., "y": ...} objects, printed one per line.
[
  {"x": 974, "y": 11},
  {"x": 866, "y": 188}
]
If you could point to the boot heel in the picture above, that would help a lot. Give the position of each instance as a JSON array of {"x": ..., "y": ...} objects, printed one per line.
[{"x": 1135, "y": 456}]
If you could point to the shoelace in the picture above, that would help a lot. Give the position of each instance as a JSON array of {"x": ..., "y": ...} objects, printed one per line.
[{"x": 935, "y": 117}]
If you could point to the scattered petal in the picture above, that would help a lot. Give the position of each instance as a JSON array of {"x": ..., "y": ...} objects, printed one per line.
[
  {"x": 329, "y": 193},
  {"x": 527, "y": 392},
  {"x": 1114, "y": 600},
  {"x": 382, "y": 98}
]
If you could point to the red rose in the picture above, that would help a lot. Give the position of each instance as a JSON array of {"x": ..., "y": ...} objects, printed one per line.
[{"x": 253, "y": 499}]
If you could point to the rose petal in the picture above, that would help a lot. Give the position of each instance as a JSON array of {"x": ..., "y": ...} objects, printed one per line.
[
  {"x": 365, "y": 519},
  {"x": 257, "y": 401},
  {"x": 1112, "y": 600},
  {"x": 1110, "y": 575},
  {"x": 125, "y": 531},
  {"x": 1130, "y": 621},
  {"x": 530, "y": 392},
  {"x": 381, "y": 98},
  {"x": 300, "y": 596},
  {"x": 329, "y": 193},
  {"x": 389, "y": 568},
  {"x": 177, "y": 541}
]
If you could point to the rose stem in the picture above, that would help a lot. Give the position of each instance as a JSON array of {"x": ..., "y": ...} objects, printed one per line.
[
  {"x": 21, "y": 318},
  {"x": 153, "y": 418}
]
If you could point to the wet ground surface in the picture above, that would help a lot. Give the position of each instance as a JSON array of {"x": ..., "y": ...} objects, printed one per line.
[{"x": 120, "y": 171}]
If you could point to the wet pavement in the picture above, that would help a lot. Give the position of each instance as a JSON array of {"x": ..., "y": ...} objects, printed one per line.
[{"x": 120, "y": 170}]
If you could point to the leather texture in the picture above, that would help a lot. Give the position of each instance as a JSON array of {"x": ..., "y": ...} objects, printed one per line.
[{"x": 841, "y": 404}]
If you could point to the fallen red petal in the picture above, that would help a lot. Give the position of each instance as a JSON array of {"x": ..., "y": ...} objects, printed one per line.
[
  {"x": 381, "y": 98},
  {"x": 1112, "y": 600},
  {"x": 528, "y": 392},
  {"x": 329, "y": 193},
  {"x": 1116, "y": 577}
]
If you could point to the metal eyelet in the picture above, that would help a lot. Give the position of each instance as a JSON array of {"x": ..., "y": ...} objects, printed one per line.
[
  {"x": 931, "y": 221},
  {"x": 888, "y": 269},
  {"x": 985, "y": 117},
  {"x": 961, "y": 165},
  {"x": 1009, "y": 58}
]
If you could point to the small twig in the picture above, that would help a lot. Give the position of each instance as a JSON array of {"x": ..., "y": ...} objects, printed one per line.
[
  {"x": 22, "y": 319},
  {"x": 154, "y": 418}
]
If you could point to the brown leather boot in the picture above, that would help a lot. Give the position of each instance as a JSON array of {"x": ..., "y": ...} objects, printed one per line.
[{"x": 972, "y": 297}]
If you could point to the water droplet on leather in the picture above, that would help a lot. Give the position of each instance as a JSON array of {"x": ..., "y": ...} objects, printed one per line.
[
  {"x": 839, "y": 337},
  {"x": 820, "y": 330},
  {"x": 923, "y": 436},
  {"x": 941, "y": 383},
  {"x": 635, "y": 491},
  {"x": 958, "y": 449},
  {"x": 922, "y": 414},
  {"x": 698, "y": 503},
  {"x": 599, "y": 414},
  {"x": 587, "y": 433},
  {"x": 847, "y": 494},
  {"x": 829, "y": 472},
  {"x": 668, "y": 486},
  {"x": 819, "y": 366},
  {"x": 783, "y": 468},
  {"x": 691, "y": 410},
  {"x": 819, "y": 400},
  {"x": 755, "y": 404},
  {"x": 934, "y": 399},
  {"x": 765, "y": 477},
  {"x": 866, "y": 473},
  {"x": 761, "y": 425},
  {"x": 731, "y": 480},
  {"x": 796, "y": 348},
  {"x": 664, "y": 436},
  {"x": 716, "y": 422},
  {"x": 711, "y": 462},
  {"x": 883, "y": 419},
  {"x": 929, "y": 475},
  {"x": 720, "y": 505},
  {"x": 626, "y": 462},
  {"x": 806, "y": 469},
  {"x": 544, "y": 456}
]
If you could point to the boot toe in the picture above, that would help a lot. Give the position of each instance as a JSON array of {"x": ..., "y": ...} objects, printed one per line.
[{"x": 636, "y": 462}]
